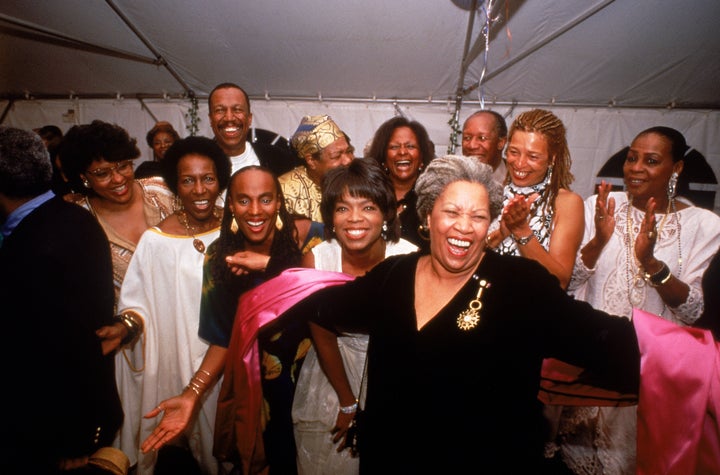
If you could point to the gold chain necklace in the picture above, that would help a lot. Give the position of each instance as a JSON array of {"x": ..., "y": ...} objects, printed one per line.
[{"x": 197, "y": 242}]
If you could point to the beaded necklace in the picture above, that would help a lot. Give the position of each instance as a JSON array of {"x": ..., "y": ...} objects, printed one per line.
[{"x": 635, "y": 279}]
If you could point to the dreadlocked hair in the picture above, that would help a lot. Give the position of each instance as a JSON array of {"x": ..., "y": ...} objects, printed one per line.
[
  {"x": 284, "y": 250},
  {"x": 551, "y": 127}
]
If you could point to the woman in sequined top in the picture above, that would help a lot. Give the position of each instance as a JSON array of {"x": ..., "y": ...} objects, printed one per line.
[{"x": 97, "y": 159}]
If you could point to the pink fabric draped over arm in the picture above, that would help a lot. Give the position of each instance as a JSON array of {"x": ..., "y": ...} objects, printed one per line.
[
  {"x": 678, "y": 431},
  {"x": 678, "y": 402},
  {"x": 237, "y": 422}
]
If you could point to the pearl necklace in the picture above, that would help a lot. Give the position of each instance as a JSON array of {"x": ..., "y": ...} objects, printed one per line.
[
  {"x": 635, "y": 280},
  {"x": 197, "y": 242}
]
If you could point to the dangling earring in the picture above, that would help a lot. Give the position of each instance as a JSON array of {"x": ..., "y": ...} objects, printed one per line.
[
  {"x": 549, "y": 173},
  {"x": 86, "y": 183},
  {"x": 333, "y": 231},
  {"x": 234, "y": 226},
  {"x": 278, "y": 223},
  {"x": 424, "y": 232},
  {"x": 672, "y": 186},
  {"x": 383, "y": 233}
]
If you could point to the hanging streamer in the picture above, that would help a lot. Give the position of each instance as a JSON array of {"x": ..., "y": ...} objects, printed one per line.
[
  {"x": 486, "y": 33},
  {"x": 454, "y": 122}
]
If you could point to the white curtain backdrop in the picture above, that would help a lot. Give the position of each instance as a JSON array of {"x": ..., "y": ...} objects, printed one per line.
[{"x": 594, "y": 134}]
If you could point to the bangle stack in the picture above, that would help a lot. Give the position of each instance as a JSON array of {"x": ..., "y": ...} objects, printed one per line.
[
  {"x": 349, "y": 409},
  {"x": 133, "y": 323},
  {"x": 659, "y": 278},
  {"x": 197, "y": 384}
]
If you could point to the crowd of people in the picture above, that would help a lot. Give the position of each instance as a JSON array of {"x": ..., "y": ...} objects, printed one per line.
[{"x": 232, "y": 307}]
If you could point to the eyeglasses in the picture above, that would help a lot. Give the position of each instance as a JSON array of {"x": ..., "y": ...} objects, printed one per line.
[
  {"x": 105, "y": 174},
  {"x": 408, "y": 146}
]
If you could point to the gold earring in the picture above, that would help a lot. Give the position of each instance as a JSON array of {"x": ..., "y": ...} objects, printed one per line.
[
  {"x": 233, "y": 226},
  {"x": 424, "y": 232},
  {"x": 278, "y": 223}
]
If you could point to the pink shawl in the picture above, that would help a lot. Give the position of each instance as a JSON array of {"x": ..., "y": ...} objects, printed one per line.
[
  {"x": 237, "y": 424},
  {"x": 679, "y": 398}
]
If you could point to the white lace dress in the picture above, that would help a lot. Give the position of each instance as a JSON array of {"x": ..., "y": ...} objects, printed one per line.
[{"x": 597, "y": 440}]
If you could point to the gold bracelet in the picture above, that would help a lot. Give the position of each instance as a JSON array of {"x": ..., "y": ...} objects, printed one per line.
[
  {"x": 133, "y": 323},
  {"x": 660, "y": 277}
]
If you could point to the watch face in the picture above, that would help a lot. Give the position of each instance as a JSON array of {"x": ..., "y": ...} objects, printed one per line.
[{"x": 522, "y": 240}]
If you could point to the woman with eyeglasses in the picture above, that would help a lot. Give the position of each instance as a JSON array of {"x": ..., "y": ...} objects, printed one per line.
[
  {"x": 403, "y": 148},
  {"x": 97, "y": 159}
]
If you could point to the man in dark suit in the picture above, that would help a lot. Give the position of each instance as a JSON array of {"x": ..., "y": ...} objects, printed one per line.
[
  {"x": 231, "y": 120},
  {"x": 56, "y": 290}
]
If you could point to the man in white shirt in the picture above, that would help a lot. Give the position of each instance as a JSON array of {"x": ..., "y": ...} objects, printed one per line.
[{"x": 231, "y": 120}]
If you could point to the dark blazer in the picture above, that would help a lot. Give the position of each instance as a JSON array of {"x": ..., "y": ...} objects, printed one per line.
[
  {"x": 56, "y": 289},
  {"x": 279, "y": 159}
]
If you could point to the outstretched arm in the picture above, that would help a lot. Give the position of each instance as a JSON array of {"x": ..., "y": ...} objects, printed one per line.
[{"x": 179, "y": 410}]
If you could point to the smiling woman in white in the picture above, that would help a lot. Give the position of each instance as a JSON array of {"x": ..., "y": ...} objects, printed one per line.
[
  {"x": 163, "y": 286},
  {"x": 362, "y": 228}
]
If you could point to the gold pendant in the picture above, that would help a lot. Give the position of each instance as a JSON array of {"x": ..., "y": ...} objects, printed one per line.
[
  {"x": 199, "y": 245},
  {"x": 470, "y": 318}
]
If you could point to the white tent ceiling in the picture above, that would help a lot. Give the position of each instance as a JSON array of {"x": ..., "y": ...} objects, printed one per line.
[
  {"x": 607, "y": 68},
  {"x": 651, "y": 53}
]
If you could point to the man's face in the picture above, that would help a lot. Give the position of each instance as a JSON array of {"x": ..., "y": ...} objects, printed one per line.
[
  {"x": 338, "y": 153},
  {"x": 230, "y": 119},
  {"x": 480, "y": 139}
]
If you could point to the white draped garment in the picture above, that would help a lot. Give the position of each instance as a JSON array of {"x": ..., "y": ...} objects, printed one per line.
[{"x": 163, "y": 284}]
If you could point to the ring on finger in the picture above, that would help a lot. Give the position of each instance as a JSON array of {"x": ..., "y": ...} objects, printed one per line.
[{"x": 651, "y": 235}]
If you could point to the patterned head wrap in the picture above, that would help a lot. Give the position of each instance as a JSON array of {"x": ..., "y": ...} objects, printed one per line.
[{"x": 314, "y": 133}]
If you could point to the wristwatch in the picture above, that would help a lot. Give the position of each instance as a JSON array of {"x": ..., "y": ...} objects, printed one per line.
[{"x": 522, "y": 240}]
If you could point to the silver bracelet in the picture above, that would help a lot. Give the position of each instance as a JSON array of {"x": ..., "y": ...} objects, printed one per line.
[
  {"x": 522, "y": 240},
  {"x": 349, "y": 409}
]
